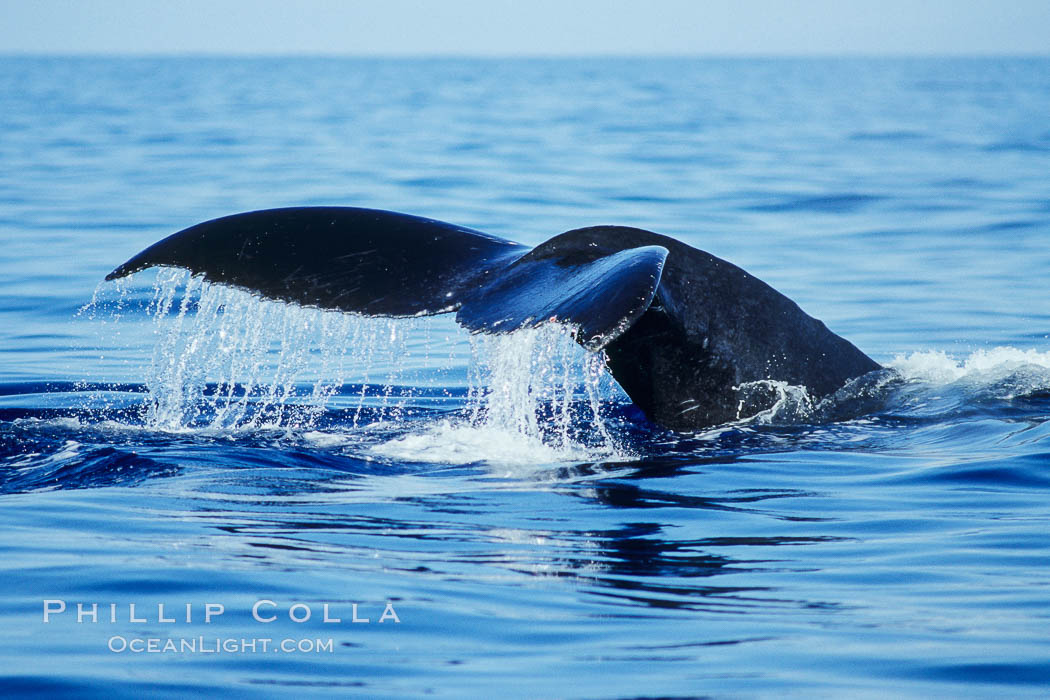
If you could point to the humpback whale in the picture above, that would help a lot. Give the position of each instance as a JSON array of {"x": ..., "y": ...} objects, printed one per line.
[{"x": 692, "y": 339}]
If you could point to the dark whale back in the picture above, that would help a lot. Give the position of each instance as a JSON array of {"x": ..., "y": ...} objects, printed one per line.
[{"x": 691, "y": 338}]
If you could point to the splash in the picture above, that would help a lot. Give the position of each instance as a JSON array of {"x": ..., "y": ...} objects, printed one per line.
[
  {"x": 926, "y": 382},
  {"x": 536, "y": 397},
  {"x": 1002, "y": 372},
  {"x": 786, "y": 403},
  {"x": 227, "y": 362},
  {"x": 540, "y": 383}
]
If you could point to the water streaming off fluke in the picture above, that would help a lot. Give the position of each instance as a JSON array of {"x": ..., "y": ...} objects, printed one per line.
[{"x": 225, "y": 362}]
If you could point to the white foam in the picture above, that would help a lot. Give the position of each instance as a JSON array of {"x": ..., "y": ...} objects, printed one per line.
[
  {"x": 448, "y": 443},
  {"x": 324, "y": 439},
  {"x": 940, "y": 368},
  {"x": 999, "y": 373}
]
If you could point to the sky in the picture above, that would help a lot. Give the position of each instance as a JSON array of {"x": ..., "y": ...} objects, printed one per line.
[{"x": 526, "y": 27}]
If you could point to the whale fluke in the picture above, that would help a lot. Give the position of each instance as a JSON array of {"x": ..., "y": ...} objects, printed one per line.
[
  {"x": 688, "y": 336},
  {"x": 361, "y": 260}
]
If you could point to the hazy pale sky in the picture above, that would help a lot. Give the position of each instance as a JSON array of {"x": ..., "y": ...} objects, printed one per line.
[{"x": 526, "y": 27}]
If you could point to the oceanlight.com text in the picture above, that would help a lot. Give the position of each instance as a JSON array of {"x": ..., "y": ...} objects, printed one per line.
[{"x": 218, "y": 645}]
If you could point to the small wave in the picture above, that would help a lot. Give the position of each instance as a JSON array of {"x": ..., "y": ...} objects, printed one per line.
[
  {"x": 1017, "y": 146},
  {"x": 889, "y": 135},
  {"x": 1011, "y": 225},
  {"x": 832, "y": 203},
  {"x": 1008, "y": 372},
  {"x": 48, "y": 463}
]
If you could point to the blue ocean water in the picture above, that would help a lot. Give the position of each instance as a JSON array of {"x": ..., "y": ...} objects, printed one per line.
[{"x": 495, "y": 500}]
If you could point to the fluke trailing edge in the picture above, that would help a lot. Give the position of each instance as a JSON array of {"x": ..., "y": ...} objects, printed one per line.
[{"x": 688, "y": 336}]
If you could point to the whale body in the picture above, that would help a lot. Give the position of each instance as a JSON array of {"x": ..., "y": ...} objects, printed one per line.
[{"x": 692, "y": 339}]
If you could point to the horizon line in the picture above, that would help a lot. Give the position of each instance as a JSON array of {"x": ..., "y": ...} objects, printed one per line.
[{"x": 23, "y": 53}]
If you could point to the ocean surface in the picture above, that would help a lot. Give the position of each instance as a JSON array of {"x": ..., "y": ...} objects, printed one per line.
[{"x": 176, "y": 455}]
